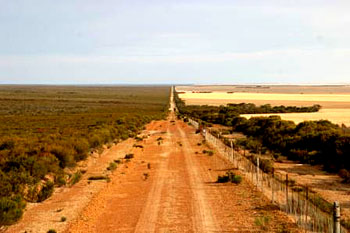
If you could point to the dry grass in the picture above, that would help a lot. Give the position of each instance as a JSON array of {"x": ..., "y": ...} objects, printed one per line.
[
  {"x": 337, "y": 116},
  {"x": 335, "y": 103},
  {"x": 325, "y": 100}
]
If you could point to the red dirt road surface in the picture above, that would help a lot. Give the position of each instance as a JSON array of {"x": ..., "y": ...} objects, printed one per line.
[{"x": 169, "y": 186}]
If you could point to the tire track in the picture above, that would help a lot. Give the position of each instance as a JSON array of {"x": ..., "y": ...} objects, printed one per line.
[
  {"x": 149, "y": 215},
  {"x": 203, "y": 218}
]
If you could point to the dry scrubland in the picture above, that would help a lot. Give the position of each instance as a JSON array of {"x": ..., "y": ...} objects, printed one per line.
[
  {"x": 335, "y": 100},
  {"x": 46, "y": 130}
]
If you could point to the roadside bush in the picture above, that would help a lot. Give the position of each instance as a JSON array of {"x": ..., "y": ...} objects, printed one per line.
[
  {"x": 81, "y": 147},
  {"x": 60, "y": 180},
  {"x": 129, "y": 156},
  {"x": 11, "y": 209},
  {"x": 208, "y": 152},
  {"x": 64, "y": 155},
  {"x": 95, "y": 141},
  {"x": 46, "y": 191},
  {"x": 229, "y": 177},
  {"x": 112, "y": 166},
  {"x": 263, "y": 222},
  {"x": 75, "y": 178},
  {"x": 237, "y": 179}
]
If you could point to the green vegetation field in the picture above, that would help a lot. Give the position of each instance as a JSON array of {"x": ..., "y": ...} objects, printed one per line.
[{"x": 46, "y": 129}]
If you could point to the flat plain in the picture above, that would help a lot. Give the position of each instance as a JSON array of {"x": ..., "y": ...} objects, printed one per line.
[{"x": 334, "y": 100}]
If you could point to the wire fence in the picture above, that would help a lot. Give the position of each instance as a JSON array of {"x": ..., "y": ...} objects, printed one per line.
[{"x": 310, "y": 212}]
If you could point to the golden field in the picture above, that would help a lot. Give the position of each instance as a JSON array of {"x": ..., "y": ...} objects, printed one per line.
[
  {"x": 337, "y": 116},
  {"x": 335, "y": 100}
]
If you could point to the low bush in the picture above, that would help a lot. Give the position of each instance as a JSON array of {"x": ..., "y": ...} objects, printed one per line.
[
  {"x": 112, "y": 166},
  {"x": 229, "y": 177},
  {"x": 117, "y": 161},
  {"x": 11, "y": 209},
  {"x": 75, "y": 178},
  {"x": 208, "y": 152},
  {"x": 60, "y": 181},
  {"x": 129, "y": 156},
  {"x": 262, "y": 222},
  {"x": 46, "y": 191}
]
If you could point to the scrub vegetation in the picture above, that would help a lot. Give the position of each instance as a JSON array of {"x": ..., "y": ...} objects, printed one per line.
[
  {"x": 314, "y": 142},
  {"x": 46, "y": 130}
]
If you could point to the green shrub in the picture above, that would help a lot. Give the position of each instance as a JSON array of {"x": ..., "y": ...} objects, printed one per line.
[
  {"x": 81, "y": 147},
  {"x": 112, "y": 166},
  {"x": 95, "y": 141},
  {"x": 208, "y": 152},
  {"x": 229, "y": 177},
  {"x": 46, "y": 191},
  {"x": 61, "y": 181},
  {"x": 63, "y": 219},
  {"x": 237, "y": 179},
  {"x": 223, "y": 179},
  {"x": 117, "y": 161},
  {"x": 52, "y": 231},
  {"x": 64, "y": 155},
  {"x": 129, "y": 156},
  {"x": 263, "y": 222},
  {"x": 75, "y": 178},
  {"x": 11, "y": 209}
]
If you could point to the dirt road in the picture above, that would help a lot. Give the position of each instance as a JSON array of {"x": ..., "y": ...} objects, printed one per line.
[{"x": 169, "y": 186}]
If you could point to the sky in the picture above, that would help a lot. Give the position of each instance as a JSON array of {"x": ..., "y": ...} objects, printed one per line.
[{"x": 168, "y": 41}]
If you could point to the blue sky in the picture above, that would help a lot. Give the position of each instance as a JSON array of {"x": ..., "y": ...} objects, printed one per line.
[{"x": 183, "y": 41}]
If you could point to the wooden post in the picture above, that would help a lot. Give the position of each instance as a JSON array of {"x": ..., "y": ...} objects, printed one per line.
[
  {"x": 231, "y": 150},
  {"x": 257, "y": 172},
  {"x": 272, "y": 185},
  {"x": 336, "y": 217},
  {"x": 287, "y": 193},
  {"x": 307, "y": 204}
]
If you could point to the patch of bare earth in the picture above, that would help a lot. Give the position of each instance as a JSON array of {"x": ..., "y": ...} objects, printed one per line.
[
  {"x": 329, "y": 186},
  {"x": 166, "y": 187}
]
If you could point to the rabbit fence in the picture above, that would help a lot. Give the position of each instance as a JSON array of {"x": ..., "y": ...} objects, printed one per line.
[{"x": 311, "y": 213}]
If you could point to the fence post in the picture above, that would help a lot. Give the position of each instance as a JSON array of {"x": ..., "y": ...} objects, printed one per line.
[
  {"x": 287, "y": 193},
  {"x": 336, "y": 217},
  {"x": 257, "y": 172},
  {"x": 231, "y": 151},
  {"x": 272, "y": 185},
  {"x": 307, "y": 205}
]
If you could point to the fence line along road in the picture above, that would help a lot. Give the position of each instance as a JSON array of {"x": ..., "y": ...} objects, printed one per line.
[{"x": 299, "y": 202}]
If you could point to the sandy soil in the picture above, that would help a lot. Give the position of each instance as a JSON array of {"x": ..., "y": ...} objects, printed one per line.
[
  {"x": 166, "y": 187},
  {"x": 329, "y": 186}
]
